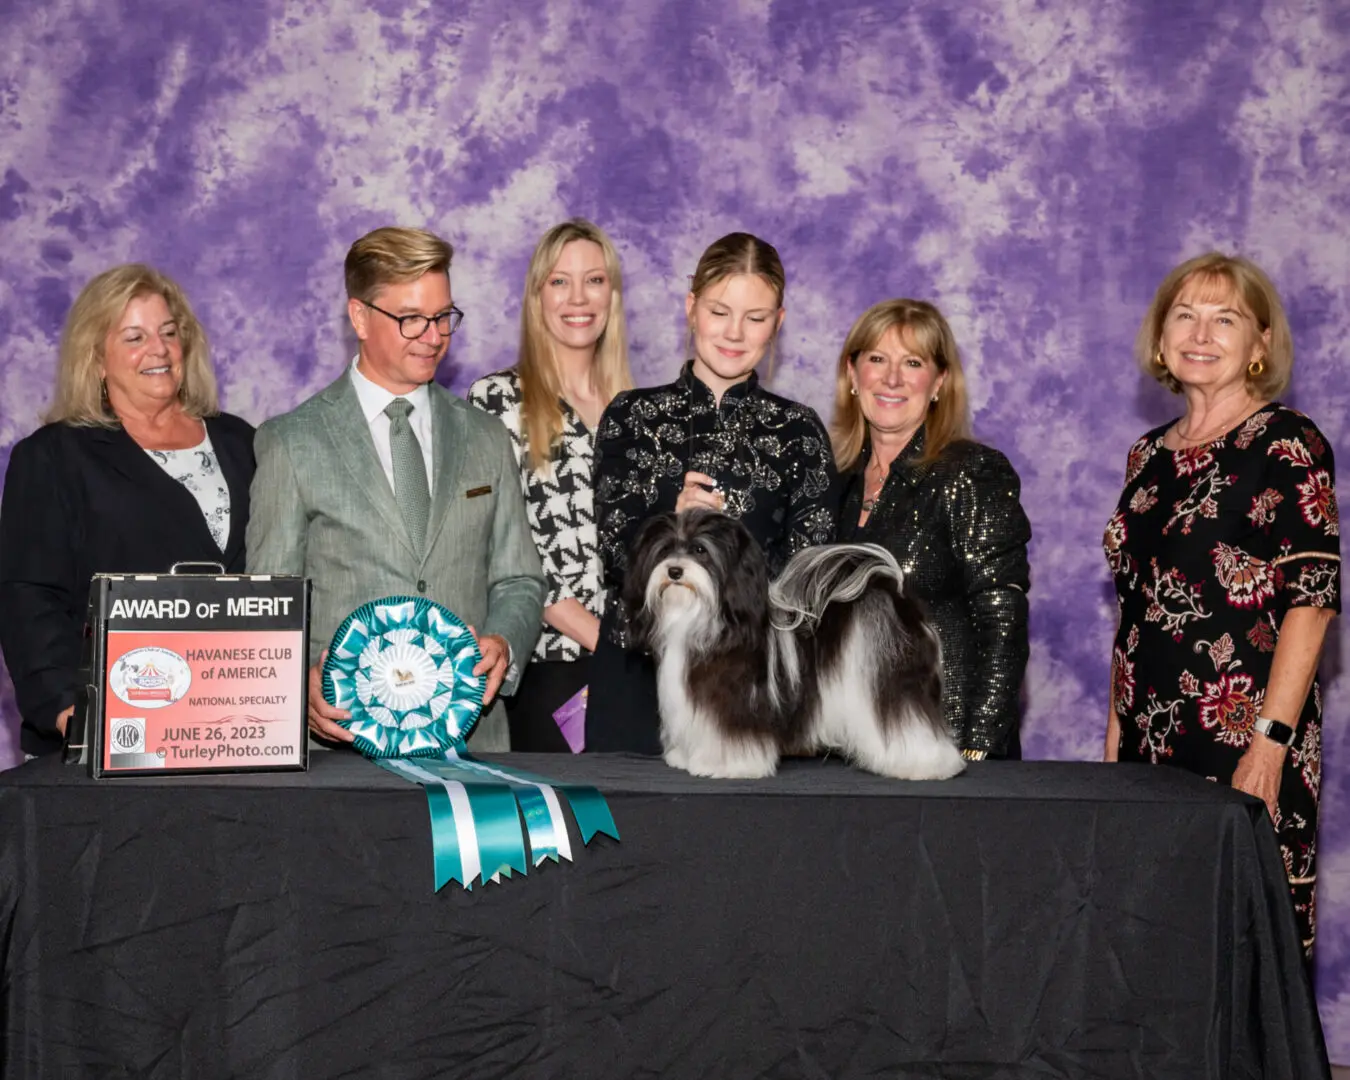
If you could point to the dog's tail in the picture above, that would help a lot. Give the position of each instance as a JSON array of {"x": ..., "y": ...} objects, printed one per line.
[{"x": 817, "y": 577}]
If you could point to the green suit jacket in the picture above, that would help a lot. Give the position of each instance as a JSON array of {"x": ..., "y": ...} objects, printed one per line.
[{"x": 321, "y": 506}]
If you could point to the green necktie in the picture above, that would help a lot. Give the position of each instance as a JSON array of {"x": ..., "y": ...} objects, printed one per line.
[{"x": 411, "y": 491}]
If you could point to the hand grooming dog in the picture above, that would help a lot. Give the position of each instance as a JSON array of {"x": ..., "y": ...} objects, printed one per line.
[{"x": 832, "y": 654}]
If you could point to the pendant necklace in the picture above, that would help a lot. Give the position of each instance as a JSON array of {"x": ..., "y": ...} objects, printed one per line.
[{"x": 870, "y": 504}]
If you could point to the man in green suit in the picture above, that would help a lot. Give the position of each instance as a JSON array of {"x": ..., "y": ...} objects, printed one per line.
[{"x": 386, "y": 484}]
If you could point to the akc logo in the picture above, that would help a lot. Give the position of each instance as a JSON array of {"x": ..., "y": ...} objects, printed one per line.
[
  {"x": 150, "y": 678},
  {"x": 127, "y": 736}
]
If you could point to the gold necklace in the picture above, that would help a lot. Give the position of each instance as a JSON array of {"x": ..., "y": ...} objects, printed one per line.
[{"x": 1215, "y": 431}]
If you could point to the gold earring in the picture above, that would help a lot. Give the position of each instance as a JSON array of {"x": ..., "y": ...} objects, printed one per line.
[
  {"x": 1158, "y": 360},
  {"x": 853, "y": 390},
  {"x": 1256, "y": 368}
]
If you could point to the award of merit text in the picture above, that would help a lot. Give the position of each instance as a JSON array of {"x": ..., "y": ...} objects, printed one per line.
[{"x": 236, "y": 607}]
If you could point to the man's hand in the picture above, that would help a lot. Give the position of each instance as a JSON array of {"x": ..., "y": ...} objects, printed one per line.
[
  {"x": 323, "y": 718},
  {"x": 496, "y": 656}
]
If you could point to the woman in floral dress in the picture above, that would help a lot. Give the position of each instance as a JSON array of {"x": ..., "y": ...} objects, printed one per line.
[{"x": 1225, "y": 551}]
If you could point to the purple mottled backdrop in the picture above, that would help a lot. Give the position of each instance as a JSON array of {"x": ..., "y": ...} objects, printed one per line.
[{"x": 1034, "y": 168}]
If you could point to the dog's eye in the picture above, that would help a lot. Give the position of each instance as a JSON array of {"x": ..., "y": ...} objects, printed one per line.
[{"x": 698, "y": 549}]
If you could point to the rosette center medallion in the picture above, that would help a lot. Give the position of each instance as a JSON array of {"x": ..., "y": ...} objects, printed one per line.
[{"x": 403, "y": 677}]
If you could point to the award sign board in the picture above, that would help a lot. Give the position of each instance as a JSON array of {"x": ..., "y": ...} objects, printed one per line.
[{"x": 198, "y": 673}]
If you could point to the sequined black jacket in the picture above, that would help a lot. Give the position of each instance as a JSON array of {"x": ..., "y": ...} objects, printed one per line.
[
  {"x": 770, "y": 456},
  {"x": 960, "y": 534}
]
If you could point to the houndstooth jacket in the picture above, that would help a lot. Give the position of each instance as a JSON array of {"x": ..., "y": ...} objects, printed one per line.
[{"x": 560, "y": 505}]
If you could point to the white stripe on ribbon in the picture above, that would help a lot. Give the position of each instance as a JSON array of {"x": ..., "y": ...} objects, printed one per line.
[
  {"x": 551, "y": 800},
  {"x": 471, "y": 861}
]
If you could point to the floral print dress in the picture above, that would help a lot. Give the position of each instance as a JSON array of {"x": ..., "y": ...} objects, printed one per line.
[{"x": 1210, "y": 547}]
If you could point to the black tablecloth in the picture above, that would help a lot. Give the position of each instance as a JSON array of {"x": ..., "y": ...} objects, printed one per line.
[{"x": 1024, "y": 920}]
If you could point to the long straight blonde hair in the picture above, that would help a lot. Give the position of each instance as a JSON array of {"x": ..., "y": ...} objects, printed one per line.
[
  {"x": 541, "y": 390},
  {"x": 922, "y": 328}
]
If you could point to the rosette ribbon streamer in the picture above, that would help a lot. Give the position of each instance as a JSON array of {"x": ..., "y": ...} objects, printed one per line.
[{"x": 403, "y": 667}]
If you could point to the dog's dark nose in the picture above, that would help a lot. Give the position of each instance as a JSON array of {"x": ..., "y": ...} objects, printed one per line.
[{"x": 674, "y": 572}]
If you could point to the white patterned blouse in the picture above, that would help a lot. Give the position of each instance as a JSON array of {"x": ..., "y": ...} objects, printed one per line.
[{"x": 197, "y": 469}]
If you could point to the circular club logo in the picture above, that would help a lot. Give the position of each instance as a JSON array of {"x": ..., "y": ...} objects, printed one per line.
[
  {"x": 128, "y": 736},
  {"x": 150, "y": 678}
]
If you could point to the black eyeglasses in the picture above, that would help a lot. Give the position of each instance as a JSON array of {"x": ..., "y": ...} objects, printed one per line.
[{"x": 413, "y": 327}]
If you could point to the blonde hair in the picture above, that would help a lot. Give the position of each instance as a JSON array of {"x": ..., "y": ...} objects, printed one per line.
[
  {"x": 80, "y": 398},
  {"x": 923, "y": 329},
  {"x": 391, "y": 256},
  {"x": 1241, "y": 279},
  {"x": 738, "y": 253},
  {"x": 541, "y": 414}
]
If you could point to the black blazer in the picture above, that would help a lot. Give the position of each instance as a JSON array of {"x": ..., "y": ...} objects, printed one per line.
[{"x": 79, "y": 501}]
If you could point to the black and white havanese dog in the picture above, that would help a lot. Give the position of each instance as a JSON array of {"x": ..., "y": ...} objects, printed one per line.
[{"x": 831, "y": 655}]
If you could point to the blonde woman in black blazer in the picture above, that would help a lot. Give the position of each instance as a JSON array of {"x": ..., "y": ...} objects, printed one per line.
[{"x": 135, "y": 470}]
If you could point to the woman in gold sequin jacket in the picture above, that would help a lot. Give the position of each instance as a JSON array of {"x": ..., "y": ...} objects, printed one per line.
[{"x": 947, "y": 508}]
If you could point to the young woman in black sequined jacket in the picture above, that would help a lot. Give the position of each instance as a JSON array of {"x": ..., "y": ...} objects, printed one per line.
[
  {"x": 947, "y": 508},
  {"x": 715, "y": 438}
]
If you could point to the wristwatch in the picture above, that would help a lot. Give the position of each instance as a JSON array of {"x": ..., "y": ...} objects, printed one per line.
[{"x": 1274, "y": 730}]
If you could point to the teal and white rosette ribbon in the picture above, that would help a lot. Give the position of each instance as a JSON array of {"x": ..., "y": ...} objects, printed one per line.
[{"x": 403, "y": 667}]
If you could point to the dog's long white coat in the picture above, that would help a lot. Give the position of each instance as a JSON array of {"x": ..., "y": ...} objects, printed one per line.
[
  {"x": 689, "y": 620},
  {"x": 692, "y": 740},
  {"x": 848, "y": 721}
]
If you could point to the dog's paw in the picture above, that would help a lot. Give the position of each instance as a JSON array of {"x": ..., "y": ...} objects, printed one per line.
[{"x": 755, "y": 767}]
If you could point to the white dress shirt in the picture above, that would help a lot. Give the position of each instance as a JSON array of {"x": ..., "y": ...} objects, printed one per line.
[{"x": 373, "y": 399}]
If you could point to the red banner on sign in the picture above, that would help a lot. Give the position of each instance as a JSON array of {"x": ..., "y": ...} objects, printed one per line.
[{"x": 205, "y": 699}]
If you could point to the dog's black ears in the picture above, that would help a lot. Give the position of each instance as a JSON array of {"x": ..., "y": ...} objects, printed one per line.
[
  {"x": 746, "y": 592},
  {"x": 648, "y": 548}
]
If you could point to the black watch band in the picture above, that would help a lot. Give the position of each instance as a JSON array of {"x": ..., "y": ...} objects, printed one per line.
[{"x": 1275, "y": 730}]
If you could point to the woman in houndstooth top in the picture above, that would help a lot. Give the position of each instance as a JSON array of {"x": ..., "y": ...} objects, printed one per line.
[{"x": 573, "y": 360}]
